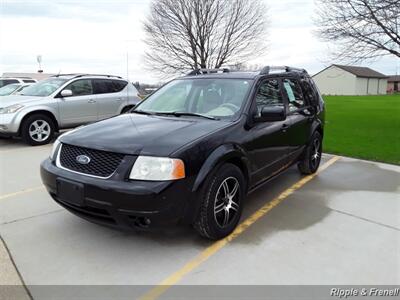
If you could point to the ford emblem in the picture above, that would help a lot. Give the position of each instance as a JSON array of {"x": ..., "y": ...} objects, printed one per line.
[{"x": 83, "y": 159}]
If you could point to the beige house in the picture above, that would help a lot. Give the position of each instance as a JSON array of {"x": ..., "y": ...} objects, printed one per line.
[
  {"x": 350, "y": 80},
  {"x": 393, "y": 84}
]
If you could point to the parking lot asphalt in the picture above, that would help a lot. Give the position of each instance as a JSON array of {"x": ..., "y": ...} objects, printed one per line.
[{"x": 339, "y": 227}]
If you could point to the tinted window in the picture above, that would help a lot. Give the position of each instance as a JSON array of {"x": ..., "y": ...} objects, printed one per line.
[
  {"x": 28, "y": 81},
  {"x": 4, "y": 82},
  {"x": 269, "y": 94},
  {"x": 295, "y": 96},
  {"x": 80, "y": 87},
  {"x": 105, "y": 86}
]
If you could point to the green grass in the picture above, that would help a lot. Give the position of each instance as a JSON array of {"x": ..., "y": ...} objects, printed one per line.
[{"x": 366, "y": 127}]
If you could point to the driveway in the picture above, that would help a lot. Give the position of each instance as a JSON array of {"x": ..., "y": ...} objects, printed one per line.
[{"x": 339, "y": 227}]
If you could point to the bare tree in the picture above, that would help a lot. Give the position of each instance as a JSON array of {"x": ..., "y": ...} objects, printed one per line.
[
  {"x": 361, "y": 29},
  {"x": 192, "y": 34}
]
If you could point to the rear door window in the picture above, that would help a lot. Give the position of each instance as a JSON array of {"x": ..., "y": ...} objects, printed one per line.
[
  {"x": 294, "y": 94},
  {"x": 107, "y": 86}
]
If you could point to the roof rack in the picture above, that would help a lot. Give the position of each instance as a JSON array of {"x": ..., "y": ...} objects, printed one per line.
[
  {"x": 207, "y": 71},
  {"x": 267, "y": 69},
  {"x": 77, "y": 75}
]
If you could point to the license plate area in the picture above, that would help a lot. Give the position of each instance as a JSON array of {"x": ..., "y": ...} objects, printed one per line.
[{"x": 70, "y": 192}]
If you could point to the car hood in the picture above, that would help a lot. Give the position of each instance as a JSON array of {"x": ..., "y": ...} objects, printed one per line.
[
  {"x": 17, "y": 99},
  {"x": 142, "y": 134}
]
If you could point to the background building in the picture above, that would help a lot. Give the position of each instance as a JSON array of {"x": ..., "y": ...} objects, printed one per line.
[
  {"x": 393, "y": 84},
  {"x": 350, "y": 80},
  {"x": 37, "y": 76}
]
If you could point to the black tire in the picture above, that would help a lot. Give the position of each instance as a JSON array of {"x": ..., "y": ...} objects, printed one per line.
[
  {"x": 210, "y": 224},
  {"x": 312, "y": 155},
  {"x": 29, "y": 123}
]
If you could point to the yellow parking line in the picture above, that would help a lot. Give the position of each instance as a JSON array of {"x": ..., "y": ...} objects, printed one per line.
[
  {"x": 164, "y": 285},
  {"x": 21, "y": 192}
]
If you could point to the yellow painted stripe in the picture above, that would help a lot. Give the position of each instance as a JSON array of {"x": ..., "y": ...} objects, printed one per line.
[
  {"x": 174, "y": 278},
  {"x": 21, "y": 192}
]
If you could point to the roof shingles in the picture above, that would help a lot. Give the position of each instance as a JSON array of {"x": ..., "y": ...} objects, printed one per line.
[{"x": 361, "y": 71}]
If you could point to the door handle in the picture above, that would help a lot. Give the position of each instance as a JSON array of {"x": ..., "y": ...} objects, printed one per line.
[
  {"x": 91, "y": 101},
  {"x": 285, "y": 127}
]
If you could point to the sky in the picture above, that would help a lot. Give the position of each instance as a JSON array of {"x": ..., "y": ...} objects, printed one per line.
[{"x": 107, "y": 37}]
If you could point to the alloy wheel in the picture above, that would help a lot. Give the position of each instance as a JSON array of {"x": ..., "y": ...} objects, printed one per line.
[
  {"x": 227, "y": 202},
  {"x": 315, "y": 153},
  {"x": 39, "y": 130}
]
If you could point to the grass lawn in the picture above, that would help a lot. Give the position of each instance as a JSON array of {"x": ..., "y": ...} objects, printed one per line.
[{"x": 366, "y": 127}]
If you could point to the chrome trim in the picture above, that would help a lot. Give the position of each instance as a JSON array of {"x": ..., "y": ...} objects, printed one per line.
[{"x": 58, "y": 164}]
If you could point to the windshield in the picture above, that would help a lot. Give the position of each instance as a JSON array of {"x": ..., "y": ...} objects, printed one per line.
[
  {"x": 9, "y": 89},
  {"x": 216, "y": 97},
  {"x": 44, "y": 88}
]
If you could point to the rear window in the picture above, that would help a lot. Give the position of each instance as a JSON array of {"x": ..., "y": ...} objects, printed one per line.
[
  {"x": 28, "y": 80},
  {"x": 4, "y": 82},
  {"x": 106, "y": 86}
]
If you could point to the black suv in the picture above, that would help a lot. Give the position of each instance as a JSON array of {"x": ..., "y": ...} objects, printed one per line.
[{"x": 190, "y": 152}]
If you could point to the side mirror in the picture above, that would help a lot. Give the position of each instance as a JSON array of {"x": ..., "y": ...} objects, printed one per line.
[
  {"x": 272, "y": 114},
  {"x": 66, "y": 93}
]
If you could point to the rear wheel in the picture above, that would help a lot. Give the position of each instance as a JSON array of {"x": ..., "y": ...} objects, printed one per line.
[
  {"x": 312, "y": 155},
  {"x": 221, "y": 203},
  {"x": 37, "y": 130}
]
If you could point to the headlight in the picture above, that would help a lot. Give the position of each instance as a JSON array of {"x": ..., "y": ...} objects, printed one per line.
[
  {"x": 54, "y": 150},
  {"x": 11, "y": 109},
  {"x": 157, "y": 169}
]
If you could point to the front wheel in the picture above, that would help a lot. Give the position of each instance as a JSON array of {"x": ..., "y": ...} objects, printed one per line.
[
  {"x": 221, "y": 203},
  {"x": 37, "y": 130},
  {"x": 312, "y": 155}
]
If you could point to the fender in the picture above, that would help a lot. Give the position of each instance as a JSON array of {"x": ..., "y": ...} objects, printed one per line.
[
  {"x": 221, "y": 154},
  {"x": 31, "y": 109}
]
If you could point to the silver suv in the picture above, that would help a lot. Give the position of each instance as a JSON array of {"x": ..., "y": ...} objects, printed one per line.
[{"x": 64, "y": 101}]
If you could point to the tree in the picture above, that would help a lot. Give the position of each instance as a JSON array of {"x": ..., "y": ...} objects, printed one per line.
[
  {"x": 190, "y": 34},
  {"x": 361, "y": 29}
]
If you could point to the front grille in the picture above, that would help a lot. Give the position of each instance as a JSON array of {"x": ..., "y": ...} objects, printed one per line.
[{"x": 102, "y": 163}]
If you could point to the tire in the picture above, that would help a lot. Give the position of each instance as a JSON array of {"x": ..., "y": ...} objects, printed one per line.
[
  {"x": 35, "y": 122},
  {"x": 213, "y": 198},
  {"x": 312, "y": 155}
]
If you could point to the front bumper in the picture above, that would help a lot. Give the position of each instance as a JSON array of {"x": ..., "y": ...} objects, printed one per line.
[
  {"x": 9, "y": 124},
  {"x": 122, "y": 204}
]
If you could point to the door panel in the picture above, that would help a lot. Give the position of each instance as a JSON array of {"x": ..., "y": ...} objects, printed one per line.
[
  {"x": 81, "y": 107},
  {"x": 267, "y": 149},
  {"x": 268, "y": 142},
  {"x": 111, "y": 95},
  {"x": 299, "y": 116}
]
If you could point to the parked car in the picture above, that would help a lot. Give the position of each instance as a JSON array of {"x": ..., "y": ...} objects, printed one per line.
[
  {"x": 10, "y": 80},
  {"x": 190, "y": 152},
  {"x": 64, "y": 101},
  {"x": 13, "y": 88}
]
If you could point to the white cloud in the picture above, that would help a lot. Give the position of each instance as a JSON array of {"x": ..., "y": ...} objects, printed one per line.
[{"x": 96, "y": 36}]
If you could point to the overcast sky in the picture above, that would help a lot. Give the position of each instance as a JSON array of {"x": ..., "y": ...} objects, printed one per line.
[{"x": 99, "y": 37}]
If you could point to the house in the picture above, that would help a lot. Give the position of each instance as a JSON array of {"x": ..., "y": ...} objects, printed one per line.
[
  {"x": 393, "y": 84},
  {"x": 350, "y": 80}
]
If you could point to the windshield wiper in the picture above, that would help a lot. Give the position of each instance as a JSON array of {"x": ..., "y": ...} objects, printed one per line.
[
  {"x": 182, "y": 113},
  {"x": 142, "y": 112}
]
